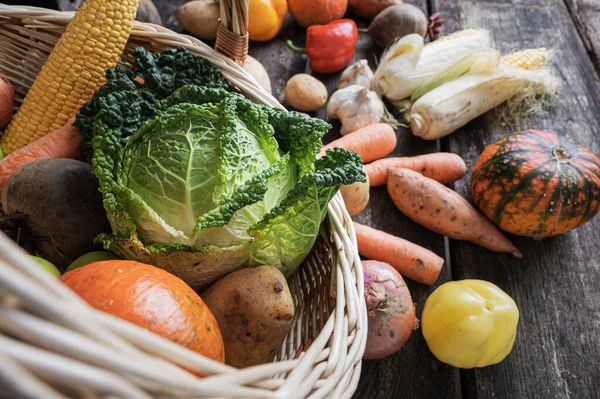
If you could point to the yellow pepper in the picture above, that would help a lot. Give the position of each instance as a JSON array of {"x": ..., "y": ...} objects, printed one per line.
[
  {"x": 265, "y": 18},
  {"x": 470, "y": 323}
]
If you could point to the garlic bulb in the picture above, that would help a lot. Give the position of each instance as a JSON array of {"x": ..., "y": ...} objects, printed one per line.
[
  {"x": 358, "y": 73},
  {"x": 355, "y": 106}
]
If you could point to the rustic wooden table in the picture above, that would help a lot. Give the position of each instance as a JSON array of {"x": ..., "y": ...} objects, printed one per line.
[{"x": 557, "y": 283}]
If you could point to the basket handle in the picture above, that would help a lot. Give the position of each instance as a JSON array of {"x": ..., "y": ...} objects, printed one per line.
[{"x": 232, "y": 30}]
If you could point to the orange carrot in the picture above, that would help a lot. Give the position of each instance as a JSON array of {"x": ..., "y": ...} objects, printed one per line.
[
  {"x": 370, "y": 142},
  {"x": 62, "y": 143},
  {"x": 435, "y": 206},
  {"x": 411, "y": 260},
  {"x": 443, "y": 167}
]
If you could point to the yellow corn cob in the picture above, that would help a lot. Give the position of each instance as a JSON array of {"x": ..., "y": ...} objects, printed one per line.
[
  {"x": 529, "y": 59},
  {"x": 92, "y": 43}
]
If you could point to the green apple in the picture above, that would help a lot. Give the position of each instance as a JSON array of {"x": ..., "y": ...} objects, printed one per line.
[
  {"x": 91, "y": 257},
  {"x": 46, "y": 265}
]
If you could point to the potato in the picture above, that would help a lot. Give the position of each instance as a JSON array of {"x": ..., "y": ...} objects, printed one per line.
[
  {"x": 199, "y": 17},
  {"x": 258, "y": 72},
  {"x": 254, "y": 310},
  {"x": 62, "y": 205},
  {"x": 305, "y": 93},
  {"x": 7, "y": 95},
  {"x": 356, "y": 197},
  {"x": 147, "y": 12}
]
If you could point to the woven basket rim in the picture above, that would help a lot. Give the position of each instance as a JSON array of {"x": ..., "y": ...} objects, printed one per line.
[{"x": 330, "y": 366}]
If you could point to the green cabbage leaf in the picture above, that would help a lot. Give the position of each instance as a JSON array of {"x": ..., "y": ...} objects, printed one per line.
[{"x": 199, "y": 180}]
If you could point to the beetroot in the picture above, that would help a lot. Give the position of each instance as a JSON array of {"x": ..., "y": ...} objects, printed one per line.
[
  {"x": 370, "y": 8},
  {"x": 390, "y": 309}
]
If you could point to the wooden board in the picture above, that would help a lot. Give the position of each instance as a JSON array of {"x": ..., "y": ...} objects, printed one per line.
[
  {"x": 413, "y": 372},
  {"x": 586, "y": 15},
  {"x": 556, "y": 285}
]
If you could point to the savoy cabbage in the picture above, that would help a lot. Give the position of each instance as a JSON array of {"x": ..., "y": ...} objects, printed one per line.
[{"x": 199, "y": 180}]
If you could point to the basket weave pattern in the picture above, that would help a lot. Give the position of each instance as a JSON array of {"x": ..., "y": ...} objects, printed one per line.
[{"x": 53, "y": 345}]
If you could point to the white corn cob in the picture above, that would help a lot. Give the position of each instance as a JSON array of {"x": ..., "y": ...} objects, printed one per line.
[
  {"x": 455, "y": 103},
  {"x": 408, "y": 63}
]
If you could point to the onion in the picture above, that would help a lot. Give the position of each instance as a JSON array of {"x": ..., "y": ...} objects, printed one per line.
[{"x": 390, "y": 310}]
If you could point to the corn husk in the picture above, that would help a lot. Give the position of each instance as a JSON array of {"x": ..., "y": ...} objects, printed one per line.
[
  {"x": 482, "y": 62},
  {"x": 452, "y": 105},
  {"x": 409, "y": 64}
]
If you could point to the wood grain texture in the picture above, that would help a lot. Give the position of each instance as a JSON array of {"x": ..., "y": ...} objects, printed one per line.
[
  {"x": 280, "y": 62},
  {"x": 556, "y": 285},
  {"x": 586, "y": 15},
  {"x": 413, "y": 372}
]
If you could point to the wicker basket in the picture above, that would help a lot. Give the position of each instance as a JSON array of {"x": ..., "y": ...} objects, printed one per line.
[{"x": 53, "y": 345}]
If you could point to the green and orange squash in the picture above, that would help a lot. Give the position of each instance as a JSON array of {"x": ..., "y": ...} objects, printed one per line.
[{"x": 536, "y": 184}]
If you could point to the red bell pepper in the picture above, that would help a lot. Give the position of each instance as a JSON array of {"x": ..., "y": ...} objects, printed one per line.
[{"x": 330, "y": 47}]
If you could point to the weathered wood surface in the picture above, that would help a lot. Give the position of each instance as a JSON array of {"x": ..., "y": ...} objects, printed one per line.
[
  {"x": 557, "y": 283},
  {"x": 414, "y": 366},
  {"x": 586, "y": 15}
]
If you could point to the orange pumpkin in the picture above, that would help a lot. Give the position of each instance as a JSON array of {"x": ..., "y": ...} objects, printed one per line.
[
  {"x": 317, "y": 12},
  {"x": 536, "y": 184},
  {"x": 151, "y": 298}
]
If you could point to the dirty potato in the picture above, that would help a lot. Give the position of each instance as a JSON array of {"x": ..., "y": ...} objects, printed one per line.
[{"x": 254, "y": 310}]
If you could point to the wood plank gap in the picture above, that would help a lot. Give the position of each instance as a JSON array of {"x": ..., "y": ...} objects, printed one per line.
[
  {"x": 461, "y": 381},
  {"x": 582, "y": 31},
  {"x": 431, "y": 8}
]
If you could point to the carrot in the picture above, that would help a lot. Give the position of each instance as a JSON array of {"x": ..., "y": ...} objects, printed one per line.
[
  {"x": 62, "y": 143},
  {"x": 435, "y": 206},
  {"x": 370, "y": 142},
  {"x": 443, "y": 167},
  {"x": 411, "y": 260}
]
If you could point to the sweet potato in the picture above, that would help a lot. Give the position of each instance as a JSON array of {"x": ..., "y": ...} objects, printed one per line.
[{"x": 442, "y": 210}]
